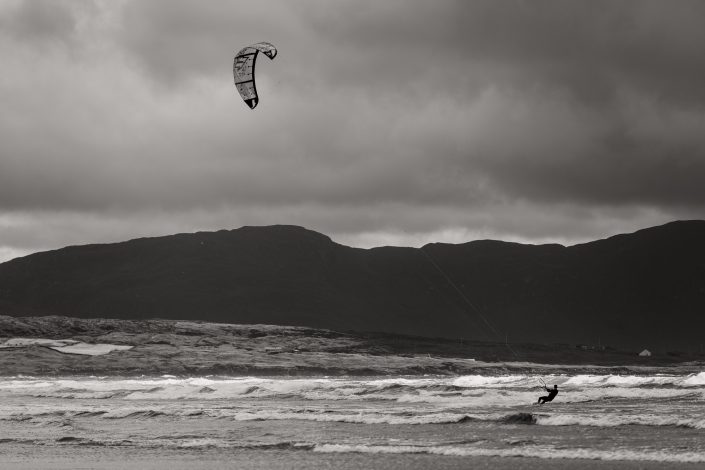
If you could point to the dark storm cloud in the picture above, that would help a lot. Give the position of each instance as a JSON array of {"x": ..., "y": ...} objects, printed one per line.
[
  {"x": 597, "y": 60},
  {"x": 40, "y": 20},
  {"x": 599, "y": 56},
  {"x": 396, "y": 121},
  {"x": 177, "y": 39},
  {"x": 588, "y": 47}
]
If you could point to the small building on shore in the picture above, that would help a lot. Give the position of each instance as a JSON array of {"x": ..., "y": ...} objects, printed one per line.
[{"x": 591, "y": 347}]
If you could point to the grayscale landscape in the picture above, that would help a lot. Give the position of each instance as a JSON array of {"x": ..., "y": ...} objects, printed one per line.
[{"x": 352, "y": 234}]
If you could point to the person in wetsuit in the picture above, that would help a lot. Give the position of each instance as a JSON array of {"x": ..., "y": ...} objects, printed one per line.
[{"x": 552, "y": 392}]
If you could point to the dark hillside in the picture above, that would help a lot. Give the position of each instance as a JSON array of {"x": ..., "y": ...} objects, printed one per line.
[{"x": 645, "y": 289}]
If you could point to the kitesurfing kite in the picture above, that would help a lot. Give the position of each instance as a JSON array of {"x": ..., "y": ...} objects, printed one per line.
[{"x": 244, "y": 70}]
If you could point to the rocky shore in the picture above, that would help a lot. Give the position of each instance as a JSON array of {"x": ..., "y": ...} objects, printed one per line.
[{"x": 189, "y": 348}]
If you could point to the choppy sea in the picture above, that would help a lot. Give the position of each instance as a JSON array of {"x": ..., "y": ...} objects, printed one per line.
[{"x": 659, "y": 418}]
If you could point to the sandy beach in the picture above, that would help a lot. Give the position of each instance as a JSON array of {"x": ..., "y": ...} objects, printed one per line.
[{"x": 71, "y": 458}]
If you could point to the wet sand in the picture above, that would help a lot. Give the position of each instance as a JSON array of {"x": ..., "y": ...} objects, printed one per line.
[{"x": 71, "y": 457}]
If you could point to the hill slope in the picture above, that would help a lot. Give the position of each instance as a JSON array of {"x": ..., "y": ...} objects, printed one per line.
[{"x": 645, "y": 289}]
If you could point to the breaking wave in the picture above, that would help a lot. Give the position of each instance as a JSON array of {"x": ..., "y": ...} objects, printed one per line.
[
  {"x": 472, "y": 415},
  {"x": 473, "y": 388},
  {"x": 528, "y": 451},
  {"x": 391, "y": 418},
  {"x": 467, "y": 448},
  {"x": 614, "y": 421}
]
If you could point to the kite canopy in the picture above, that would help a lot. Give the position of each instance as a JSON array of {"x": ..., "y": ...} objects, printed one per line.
[{"x": 244, "y": 70}]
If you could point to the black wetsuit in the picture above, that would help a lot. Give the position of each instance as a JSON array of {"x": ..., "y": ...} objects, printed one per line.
[{"x": 552, "y": 392}]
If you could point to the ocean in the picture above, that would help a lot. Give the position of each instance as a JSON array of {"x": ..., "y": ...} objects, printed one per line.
[{"x": 355, "y": 422}]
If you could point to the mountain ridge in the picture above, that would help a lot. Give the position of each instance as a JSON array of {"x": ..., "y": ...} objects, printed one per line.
[{"x": 645, "y": 289}]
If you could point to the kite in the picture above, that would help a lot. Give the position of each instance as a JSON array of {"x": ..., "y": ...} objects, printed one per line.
[{"x": 244, "y": 70}]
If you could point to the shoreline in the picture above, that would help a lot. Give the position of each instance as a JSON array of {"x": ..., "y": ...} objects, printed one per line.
[
  {"x": 71, "y": 456},
  {"x": 126, "y": 348}
]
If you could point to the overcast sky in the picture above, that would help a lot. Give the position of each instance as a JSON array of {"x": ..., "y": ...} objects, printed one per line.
[{"x": 380, "y": 122}]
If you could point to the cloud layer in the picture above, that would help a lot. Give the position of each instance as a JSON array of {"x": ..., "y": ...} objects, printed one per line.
[{"x": 394, "y": 122}]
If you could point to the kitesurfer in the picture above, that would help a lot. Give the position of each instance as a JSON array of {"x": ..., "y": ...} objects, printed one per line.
[{"x": 552, "y": 392}]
